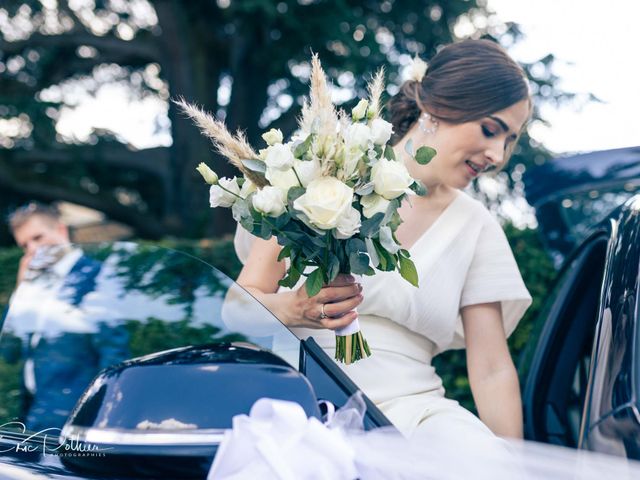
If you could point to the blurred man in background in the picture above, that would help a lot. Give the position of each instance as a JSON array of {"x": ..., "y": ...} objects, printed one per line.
[{"x": 63, "y": 345}]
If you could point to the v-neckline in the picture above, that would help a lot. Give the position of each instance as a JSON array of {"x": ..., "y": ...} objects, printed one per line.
[{"x": 444, "y": 212}]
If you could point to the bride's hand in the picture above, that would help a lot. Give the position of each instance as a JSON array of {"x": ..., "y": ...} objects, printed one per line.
[{"x": 337, "y": 301}]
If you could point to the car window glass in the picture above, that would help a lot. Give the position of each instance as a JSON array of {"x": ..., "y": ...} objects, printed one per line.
[{"x": 83, "y": 308}]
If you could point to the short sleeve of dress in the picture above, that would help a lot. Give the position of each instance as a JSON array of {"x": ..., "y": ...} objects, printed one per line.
[
  {"x": 242, "y": 242},
  {"x": 493, "y": 276}
]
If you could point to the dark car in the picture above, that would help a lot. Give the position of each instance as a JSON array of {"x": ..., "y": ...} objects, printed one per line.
[
  {"x": 203, "y": 351},
  {"x": 583, "y": 383}
]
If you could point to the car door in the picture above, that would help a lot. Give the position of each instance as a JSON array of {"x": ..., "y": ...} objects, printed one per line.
[
  {"x": 611, "y": 420},
  {"x": 556, "y": 365},
  {"x": 581, "y": 386}
]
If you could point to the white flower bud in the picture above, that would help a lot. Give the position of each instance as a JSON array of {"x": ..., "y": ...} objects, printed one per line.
[
  {"x": 273, "y": 136},
  {"x": 270, "y": 201},
  {"x": 209, "y": 175},
  {"x": 348, "y": 224},
  {"x": 360, "y": 110},
  {"x": 381, "y": 131},
  {"x": 248, "y": 187},
  {"x": 390, "y": 178},
  {"x": 279, "y": 157},
  {"x": 372, "y": 204},
  {"x": 224, "y": 193},
  {"x": 357, "y": 135}
]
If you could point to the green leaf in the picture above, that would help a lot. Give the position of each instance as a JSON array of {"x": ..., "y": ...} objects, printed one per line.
[
  {"x": 284, "y": 253},
  {"x": 303, "y": 147},
  {"x": 418, "y": 187},
  {"x": 265, "y": 230},
  {"x": 424, "y": 155},
  {"x": 294, "y": 193},
  {"x": 314, "y": 282},
  {"x": 359, "y": 263},
  {"x": 408, "y": 270},
  {"x": 334, "y": 267},
  {"x": 255, "y": 165},
  {"x": 389, "y": 154},
  {"x": 371, "y": 225}
]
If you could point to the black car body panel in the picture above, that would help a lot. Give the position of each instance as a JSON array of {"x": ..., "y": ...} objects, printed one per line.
[{"x": 582, "y": 386}]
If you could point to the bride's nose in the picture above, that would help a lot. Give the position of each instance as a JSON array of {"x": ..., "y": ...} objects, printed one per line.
[{"x": 495, "y": 154}]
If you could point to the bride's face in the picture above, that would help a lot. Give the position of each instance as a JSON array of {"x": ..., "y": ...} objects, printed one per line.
[{"x": 469, "y": 149}]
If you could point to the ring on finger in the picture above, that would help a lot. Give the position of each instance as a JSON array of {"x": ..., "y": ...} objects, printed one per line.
[{"x": 323, "y": 315}]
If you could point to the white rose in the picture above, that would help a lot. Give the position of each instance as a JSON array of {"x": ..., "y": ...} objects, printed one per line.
[
  {"x": 273, "y": 136},
  {"x": 270, "y": 201},
  {"x": 325, "y": 201},
  {"x": 225, "y": 193},
  {"x": 372, "y": 204},
  {"x": 357, "y": 135},
  {"x": 279, "y": 157},
  {"x": 209, "y": 175},
  {"x": 248, "y": 187},
  {"x": 417, "y": 69},
  {"x": 348, "y": 224},
  {"x": 390, "y": 178},
  {"x": 308, "y": 170},
  {"x": 284, "y": 180},
  {"x": 381, "y": 131},
  {"x": 359, "y": 110}
]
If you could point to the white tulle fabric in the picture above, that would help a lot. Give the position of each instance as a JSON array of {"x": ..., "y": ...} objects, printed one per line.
[
  {"x": 462, "y": 259},
  {"x": 277, "y": 441}
]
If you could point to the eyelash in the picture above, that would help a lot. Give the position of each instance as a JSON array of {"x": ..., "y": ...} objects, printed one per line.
[{"x": 487, "y": 132}]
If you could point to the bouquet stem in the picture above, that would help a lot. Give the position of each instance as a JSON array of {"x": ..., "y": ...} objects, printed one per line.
[{"x": 351, "y": 345}]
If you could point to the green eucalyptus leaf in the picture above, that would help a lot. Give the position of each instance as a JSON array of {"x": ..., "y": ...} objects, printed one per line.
[
  {"x": 418, "y": 187},
  {"x": 255, "y": 165},
  {"x": 302, "y": 147},
  {"x": 408, "y": 270},
  {"x": 359, "y": 263},
  {"x": 284, "y": 253},
  {"x": 294, "y": 193},
  {"x": 371, "y": 225},
  {"x": 314, "y": 282},
  {"x": 389, "y": 154},
  {"x": 334, "y": 267},
  {"x": 425, "y": 154}
]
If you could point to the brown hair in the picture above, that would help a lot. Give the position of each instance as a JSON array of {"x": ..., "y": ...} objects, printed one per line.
[
  {"x": 22, "y": 215},
  {"x": 465, "y": 81}
]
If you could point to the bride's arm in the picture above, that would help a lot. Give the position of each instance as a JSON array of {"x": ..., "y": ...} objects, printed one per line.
[
  {"x": 492, "y": 375},
  {"x": 260, "y": 277}
]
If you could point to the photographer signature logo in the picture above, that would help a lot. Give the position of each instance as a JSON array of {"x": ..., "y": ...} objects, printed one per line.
[{"x": 47, "y": 442}]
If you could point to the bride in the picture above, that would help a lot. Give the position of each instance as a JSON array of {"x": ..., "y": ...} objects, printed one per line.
[{"x": 470, "y": 105}]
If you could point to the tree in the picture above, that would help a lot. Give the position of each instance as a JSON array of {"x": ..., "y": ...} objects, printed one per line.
[{"x": 259, "y": 49}]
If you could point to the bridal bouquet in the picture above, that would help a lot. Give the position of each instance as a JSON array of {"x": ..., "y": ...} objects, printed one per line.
[{"x": 330, "y": 195}]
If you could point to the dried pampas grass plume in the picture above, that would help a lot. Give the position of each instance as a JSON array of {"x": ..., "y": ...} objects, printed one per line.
[
  {"x": 234, "y": 148},
  {"x": 319, "y": 114},
  {"x": 376, "y": 87}
]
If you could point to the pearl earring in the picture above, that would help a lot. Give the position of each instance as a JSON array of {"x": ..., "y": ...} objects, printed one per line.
[{"x": 422, "y": 123}]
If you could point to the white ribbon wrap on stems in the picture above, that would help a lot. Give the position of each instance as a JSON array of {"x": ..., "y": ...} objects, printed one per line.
[{"x": 353, "y": 327}]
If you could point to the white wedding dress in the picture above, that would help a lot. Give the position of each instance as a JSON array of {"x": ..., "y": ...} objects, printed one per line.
[{"x": 462, "y": 259}]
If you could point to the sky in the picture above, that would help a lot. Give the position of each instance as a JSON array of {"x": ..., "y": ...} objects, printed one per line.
[{"x": 596, "y": 44}]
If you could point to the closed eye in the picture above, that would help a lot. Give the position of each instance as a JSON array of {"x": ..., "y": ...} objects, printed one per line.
[{"x": 487, "y": 132}]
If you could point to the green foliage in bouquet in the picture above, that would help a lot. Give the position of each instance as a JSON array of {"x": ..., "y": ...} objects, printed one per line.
[{"x": 330, "y": 195}]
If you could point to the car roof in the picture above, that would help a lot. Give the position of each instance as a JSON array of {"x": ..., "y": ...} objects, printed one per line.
[{"x": 581, "y": 172}]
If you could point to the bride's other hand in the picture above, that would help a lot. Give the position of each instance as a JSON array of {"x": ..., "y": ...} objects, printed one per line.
[{"x": 295, "y": 308}]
